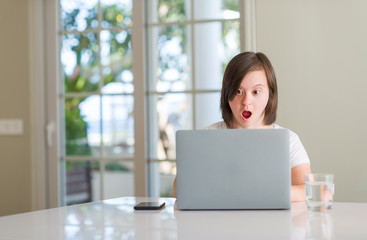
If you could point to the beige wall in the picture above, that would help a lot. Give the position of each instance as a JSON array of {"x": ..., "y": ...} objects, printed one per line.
[
  {"x": 15, "y": 173},
  {"x": 319, "y": 52}
]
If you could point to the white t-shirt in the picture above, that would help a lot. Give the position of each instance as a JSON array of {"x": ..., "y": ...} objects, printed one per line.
[{"x": 298, "y": 154}]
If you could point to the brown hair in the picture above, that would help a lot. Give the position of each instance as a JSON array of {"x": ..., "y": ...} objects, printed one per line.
[{"x": 236, "y": 70}]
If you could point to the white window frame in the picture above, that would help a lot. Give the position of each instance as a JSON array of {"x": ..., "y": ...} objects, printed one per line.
[{"x": 43, "y": 58}]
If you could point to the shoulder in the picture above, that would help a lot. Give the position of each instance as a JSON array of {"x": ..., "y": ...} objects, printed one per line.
[
  {"x": 218, "y": 125},
  {"x": 292, "y": 135},
  {"x": 298, "y": 154}
]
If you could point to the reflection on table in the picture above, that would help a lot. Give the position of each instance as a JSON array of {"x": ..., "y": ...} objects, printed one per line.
[{"x": 116, "y": 219}]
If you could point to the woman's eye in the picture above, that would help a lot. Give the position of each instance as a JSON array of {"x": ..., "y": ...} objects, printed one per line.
[
  {"x": 257, "y": 92},
  {"x": 239, "y": 92}
]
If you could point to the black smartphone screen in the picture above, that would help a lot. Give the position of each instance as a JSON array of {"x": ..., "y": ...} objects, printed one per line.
[{"x": 149, "y": 205}]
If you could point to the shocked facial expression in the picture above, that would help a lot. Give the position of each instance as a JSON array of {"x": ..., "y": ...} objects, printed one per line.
[{"x": 248, "y": 105}]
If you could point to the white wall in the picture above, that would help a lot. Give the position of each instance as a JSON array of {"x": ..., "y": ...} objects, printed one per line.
[{"x": 319, "y": 52}]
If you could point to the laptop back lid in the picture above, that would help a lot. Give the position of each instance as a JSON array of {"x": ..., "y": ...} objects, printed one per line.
[{"x": 233, "y": 169}]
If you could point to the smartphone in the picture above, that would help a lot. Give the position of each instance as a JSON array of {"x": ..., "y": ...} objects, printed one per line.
[{"x": 149, "y": 205}]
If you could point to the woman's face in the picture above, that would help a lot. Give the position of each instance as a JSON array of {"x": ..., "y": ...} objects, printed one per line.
[{"x": 248, "y": 105}]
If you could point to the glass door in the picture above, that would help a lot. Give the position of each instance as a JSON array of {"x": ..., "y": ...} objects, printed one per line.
[
  {"x": 97, "y": 98},
  {"x": 189, "y": 44}
]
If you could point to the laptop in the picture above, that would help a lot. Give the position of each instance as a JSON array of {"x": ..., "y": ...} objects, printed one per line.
[{"x": 233, "y": 169}]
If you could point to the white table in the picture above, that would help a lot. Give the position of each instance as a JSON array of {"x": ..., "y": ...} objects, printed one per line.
[{"x": 116, "y": 219}]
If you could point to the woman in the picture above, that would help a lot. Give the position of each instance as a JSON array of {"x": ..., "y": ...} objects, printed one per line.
[{"x": 249, "y": 100}]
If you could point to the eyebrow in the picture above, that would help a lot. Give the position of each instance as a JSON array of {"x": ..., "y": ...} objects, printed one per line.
[{"x": 259, "y": 85}]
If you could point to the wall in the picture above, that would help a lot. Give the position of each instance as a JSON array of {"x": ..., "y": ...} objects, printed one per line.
[
  {"x": 319, "y": 52},
  {"x": 15, "y": 173}
]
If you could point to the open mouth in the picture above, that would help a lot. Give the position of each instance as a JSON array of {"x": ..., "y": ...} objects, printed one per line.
[{"x": 246, "y": 114}]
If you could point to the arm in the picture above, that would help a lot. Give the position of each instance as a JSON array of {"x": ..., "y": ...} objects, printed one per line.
[
  {"x": 174, "y": 188},
  {"x": 298, "y": 183}
]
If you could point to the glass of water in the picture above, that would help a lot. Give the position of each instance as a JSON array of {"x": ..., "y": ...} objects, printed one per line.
[{"x": 319, "y": 191}]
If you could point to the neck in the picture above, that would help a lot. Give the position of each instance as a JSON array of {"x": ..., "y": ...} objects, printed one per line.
[{"x": 260, "y": 126}]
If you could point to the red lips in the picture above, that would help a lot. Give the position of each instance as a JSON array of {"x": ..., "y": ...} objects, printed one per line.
[{"x": 246, "y": 114}]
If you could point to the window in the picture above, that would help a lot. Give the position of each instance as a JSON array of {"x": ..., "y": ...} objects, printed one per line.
[
  {"x": 188, "y": 45},
  {"x": 97, "y": 98}
]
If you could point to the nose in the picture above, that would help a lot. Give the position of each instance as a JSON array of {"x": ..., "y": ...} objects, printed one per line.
[{"x": 246, "y": 99}]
